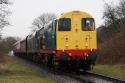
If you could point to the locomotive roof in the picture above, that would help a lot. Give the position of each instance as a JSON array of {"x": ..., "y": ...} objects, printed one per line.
[{"x": 74, "y": 12}]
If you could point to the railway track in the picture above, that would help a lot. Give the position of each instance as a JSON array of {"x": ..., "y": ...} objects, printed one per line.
[
  {"x": 114, "y": 80},
  {"x": 92, "y": 78},
  {"x": 74, "y": 76},
  {"x": 82, "y": 78}
]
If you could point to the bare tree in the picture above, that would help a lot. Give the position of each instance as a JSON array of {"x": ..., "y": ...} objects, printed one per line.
[
  {"x": 4, "y": 12},
  {"x": 40, "y": 21},
  {"x": 34, "y": 27},
  {"x": 110, "y": 14},
  {"x": 122, "y": 7},
  {"x": 121, "y": 11}
]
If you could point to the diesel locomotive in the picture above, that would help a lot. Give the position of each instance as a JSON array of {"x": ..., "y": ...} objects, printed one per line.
[{"x": 68, "y": 43}]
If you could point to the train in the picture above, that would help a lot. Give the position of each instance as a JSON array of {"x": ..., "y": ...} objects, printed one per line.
[{"x": 68, "y": 43}]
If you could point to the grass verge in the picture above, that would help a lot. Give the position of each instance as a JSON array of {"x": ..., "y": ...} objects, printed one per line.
[
  {"x": 14, "y": 72},
  {"x": 117, "y": 71}
]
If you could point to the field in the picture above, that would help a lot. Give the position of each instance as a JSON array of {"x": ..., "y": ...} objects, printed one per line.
[
  {"x": 117, "y": 71},
  {"x": 14, "y": 72}
]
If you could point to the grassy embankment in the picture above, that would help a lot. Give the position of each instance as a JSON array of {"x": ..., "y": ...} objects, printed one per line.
[
  {"x": 14, "y": 72},
  {"x": 117, "y": 71}
]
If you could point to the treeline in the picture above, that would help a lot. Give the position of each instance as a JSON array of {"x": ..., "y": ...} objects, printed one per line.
[
  {"x": 7, "y": 44},
  {"x": 114, "y": 20},
  {"x": 111, "y": 41},
  {"x": 4, "y": 12}
]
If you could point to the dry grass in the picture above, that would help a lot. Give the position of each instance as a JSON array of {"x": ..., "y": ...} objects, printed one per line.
[
  {"x": 15, "y": 72},
  {"x": 4, "y": 59}
]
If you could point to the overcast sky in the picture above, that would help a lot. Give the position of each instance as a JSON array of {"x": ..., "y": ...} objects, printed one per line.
[{"x": 25, "y": 11}]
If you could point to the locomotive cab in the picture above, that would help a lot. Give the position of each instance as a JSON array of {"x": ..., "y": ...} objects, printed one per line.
[{"x": 76, "y": 37}]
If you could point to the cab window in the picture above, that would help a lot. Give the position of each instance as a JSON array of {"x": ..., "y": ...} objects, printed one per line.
[
  {"x": 64, "y": 24},
  {"x": 88, "y": 24}
]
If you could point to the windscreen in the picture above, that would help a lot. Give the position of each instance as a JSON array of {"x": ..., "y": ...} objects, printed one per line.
[
  {"x": 88, "y": 24},
  {"x": 64, "y": 24}
]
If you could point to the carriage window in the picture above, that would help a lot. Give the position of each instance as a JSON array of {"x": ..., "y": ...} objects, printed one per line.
[
  {"x": 88, "y": 24},
  {"x": 64, "y": 24}
]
